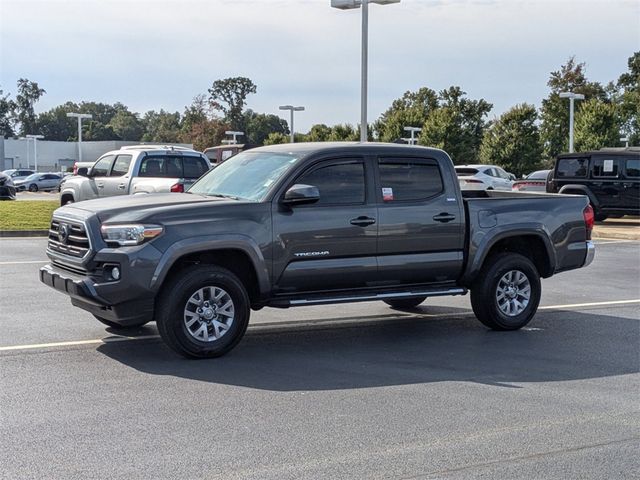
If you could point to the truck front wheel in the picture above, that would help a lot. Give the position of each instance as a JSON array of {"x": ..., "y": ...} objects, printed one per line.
[
  {"x": 506, "y": 294},
  {"x": 203, "y": 311}
]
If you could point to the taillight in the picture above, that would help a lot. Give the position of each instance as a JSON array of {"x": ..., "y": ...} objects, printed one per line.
[
  {"x": 589, "y": 219},
  {"x": 516, "y": 186},
  {"x": 177, "y": 188},
  {"x": 75, "y": 168}
]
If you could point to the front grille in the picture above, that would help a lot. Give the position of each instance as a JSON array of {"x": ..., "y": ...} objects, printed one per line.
[{"x": 68, "y": 238}]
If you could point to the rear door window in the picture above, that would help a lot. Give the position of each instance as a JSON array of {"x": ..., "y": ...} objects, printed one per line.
[
  {"x": 194, "y": 167},
  {"x": 409, "y": 179},
  {"x": 572, "y": 167},
  {"x": 604, "y": 167},
  {"x": 633, "y": 167},
  {"x": 173, "y": 166}
]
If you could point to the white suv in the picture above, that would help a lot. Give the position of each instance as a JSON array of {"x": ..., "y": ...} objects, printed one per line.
[
  {"x": 136, "y": 169},
  {"x": 483, "y": 177}
]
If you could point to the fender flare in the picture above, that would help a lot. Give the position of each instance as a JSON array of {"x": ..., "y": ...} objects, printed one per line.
[
  {"x": 210, "y": 243},
  {"x": 484, "y": 245}
]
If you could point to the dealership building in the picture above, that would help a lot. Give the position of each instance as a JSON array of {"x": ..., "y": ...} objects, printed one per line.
[{"x": 50, "y": 156}]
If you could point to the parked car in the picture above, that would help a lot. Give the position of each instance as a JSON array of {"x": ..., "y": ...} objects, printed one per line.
[
  {"x": 610, "y": 177},
  {"x": 39, "y": 182},
  {"x": 219, "y": 154},
  {"x": 78, "y": 165},
  {"x": 483, "y": 177},
  {"x": 7, "y": 189},
  {"x": 136, "y": 169},
  {"x": 534, "y": 182},
  {"x": 17, "y": 174},
  {"x": 311, "y": 224}
]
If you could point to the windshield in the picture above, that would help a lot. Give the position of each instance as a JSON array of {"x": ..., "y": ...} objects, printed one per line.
[
  {"x": 246, "y": 176},
  {"x": 33, "y": 176}
]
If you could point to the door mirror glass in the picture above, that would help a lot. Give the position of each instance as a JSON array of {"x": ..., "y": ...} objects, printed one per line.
[{"x": 301, "y": 194}]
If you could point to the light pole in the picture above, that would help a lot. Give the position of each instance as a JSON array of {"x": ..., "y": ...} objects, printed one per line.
[
  {"x": 35, "y": 148},
  {"x": 28, "y": 153},
  {"x": 80, "y": 116},
  {"x": 235, "y": 136},
  {"x": 292, "y": 109},
  {"x": 571, "y": 96},
  {"x": 348, "y": 5},
  {"x": 413, "y": 130}
]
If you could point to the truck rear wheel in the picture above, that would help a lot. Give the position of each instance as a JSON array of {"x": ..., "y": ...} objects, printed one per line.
[
  {"x": 405, "y": 303},
  {"x": 506, "y": 294},
  {"x": 117, "y": 326},
  {"x": 203, "y": 311}
]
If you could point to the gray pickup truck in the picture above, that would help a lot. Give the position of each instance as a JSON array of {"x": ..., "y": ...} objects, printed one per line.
[
  {"x": 311, "y": 224},
  {"x": 135, "y": 169}
]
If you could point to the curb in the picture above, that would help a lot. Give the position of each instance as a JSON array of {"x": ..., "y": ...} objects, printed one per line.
[
  {"x": 615, "y": 233},
  {"x": 23, "y": 233}
]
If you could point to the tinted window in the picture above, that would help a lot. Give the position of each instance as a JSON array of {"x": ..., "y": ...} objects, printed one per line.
[
  {"x": 102, "y": 166},
  {"x": 121, "y": 165},
  {"x": 633, "y": 167},
  {"x": 539, "y": 175},
  {"x": 153, "y": 167},
  {"x": 339, "y": 183},
  {"x": 572, "y": 167},
  {"x": 604, "y": 167},
  {"x": 463, "y": 172},
  {"x": 194, "y": 167},
  {"x": 409, "y": 180}
]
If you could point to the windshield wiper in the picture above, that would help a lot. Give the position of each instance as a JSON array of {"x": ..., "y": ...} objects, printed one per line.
[{"x": 223, "y": 195}]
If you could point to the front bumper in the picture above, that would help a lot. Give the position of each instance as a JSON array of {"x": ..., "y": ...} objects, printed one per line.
[{"x": 85, "y": 293}]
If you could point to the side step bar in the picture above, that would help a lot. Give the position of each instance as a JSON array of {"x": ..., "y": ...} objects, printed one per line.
[{"x": 304, "y": 302}]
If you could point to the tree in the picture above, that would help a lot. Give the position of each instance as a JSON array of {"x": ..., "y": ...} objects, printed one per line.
[
  {"x": 258, "y": 126},
  {"x": 628, "y": 87},
  {"x": 161, "y": 127},
  {"x": 319, "y": 133},
  {"x": 412, "y": 109},
  {"x": 127, "y": 126},
  {"x": 597, "y": 125},
  {"x": 229, "y": 96},
  {"x": 97, "y": 131},
  {"x": 55, "y": 125},
  {"x": 28, "y": 95},
  {"x": 457, "y": 125},
  {"x": 200, "y": 126},
  {"x": 276, "y": 138},
  {"x": 7, "y": 106},
  {"x": 513, "y": 141},
  {"x": 344, "y": 132},
  {"x": 554, "y": 131}
]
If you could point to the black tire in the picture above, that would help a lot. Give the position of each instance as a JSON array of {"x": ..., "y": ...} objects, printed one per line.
[
  {"x": 485, "y": 295},
  {"x": 33, "y": 187},
  {"x": 117, "y": 326},
  {"x": 66, "y": 200},
  {"x": 405, "y": 303},
  {"x": 174, "y": 301}
]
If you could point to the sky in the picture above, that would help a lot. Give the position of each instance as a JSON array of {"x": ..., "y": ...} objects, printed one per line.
[{"x": 153, "y": 54}]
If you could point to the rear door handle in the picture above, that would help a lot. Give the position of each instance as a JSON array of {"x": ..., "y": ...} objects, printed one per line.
[
  {"x": 362, "y": 221},
  {"x": 444, "y": 217}
]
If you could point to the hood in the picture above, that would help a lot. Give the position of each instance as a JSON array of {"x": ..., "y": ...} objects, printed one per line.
[{"x": 138, "y": 206}]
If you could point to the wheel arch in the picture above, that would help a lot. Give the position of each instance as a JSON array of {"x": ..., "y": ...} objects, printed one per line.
[
  {"x": 580, "y": 190},
  {"x": 240, "y": 256}
]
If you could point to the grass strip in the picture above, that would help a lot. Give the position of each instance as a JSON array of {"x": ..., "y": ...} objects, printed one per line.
[{"x": 26, "y": 215}]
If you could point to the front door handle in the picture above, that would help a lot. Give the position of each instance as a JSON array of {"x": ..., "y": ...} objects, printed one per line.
[
  {"x": 444, "y": 217},
  {"x": 121, "y": 186},
  {"x": 362, "y": 221},
  {"x": 101, "y": 185}
]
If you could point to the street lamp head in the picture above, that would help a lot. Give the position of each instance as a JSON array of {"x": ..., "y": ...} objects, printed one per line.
[
  {"x": 298, "y": 109},
  {"x": 286, "y": 107},
  {"x": 351, "y": 4},
  {"x": 79, "y": 115},
  {"x": 575, "y": 96},
  {"x": 35, "y": 137}
]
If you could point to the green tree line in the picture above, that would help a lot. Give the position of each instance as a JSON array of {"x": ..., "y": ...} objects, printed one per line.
[{"x": 522, "y": 139}]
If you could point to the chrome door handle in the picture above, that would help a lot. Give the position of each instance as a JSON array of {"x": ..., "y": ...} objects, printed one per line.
[
  {"x": 121, "y": 186},
  {"x": 101, "y": 185}
]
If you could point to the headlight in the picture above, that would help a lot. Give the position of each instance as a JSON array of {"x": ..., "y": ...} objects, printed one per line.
[{"x": 132, "y": 234}]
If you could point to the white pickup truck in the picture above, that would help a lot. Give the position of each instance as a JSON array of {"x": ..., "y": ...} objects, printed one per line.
[{"x": 136, "y": 169}]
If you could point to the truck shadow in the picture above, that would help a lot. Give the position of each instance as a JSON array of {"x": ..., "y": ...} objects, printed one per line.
[{"x": 558, "y": 346}]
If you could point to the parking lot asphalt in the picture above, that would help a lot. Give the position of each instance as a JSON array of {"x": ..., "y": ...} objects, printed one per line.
[{"x": 346, "y": 391}]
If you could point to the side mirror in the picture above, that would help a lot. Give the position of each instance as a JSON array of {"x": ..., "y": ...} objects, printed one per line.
[
  {"x": 84, "y": 171},
  {"x": 300, "y": 194}
]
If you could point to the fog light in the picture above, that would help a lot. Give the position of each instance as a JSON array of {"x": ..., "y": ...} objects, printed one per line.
[{"x": 115, "y": 273}]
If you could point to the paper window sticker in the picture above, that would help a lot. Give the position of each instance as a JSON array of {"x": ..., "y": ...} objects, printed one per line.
[
  {"x": 608, "y": 166},
  {"x": 387, "y": 194}
]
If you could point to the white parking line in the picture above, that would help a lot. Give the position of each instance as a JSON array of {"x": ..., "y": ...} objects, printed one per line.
[{"x": 283, "y": 325}]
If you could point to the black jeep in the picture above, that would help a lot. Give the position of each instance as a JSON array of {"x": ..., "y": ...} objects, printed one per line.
[{"x": 610, "y": 177}]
